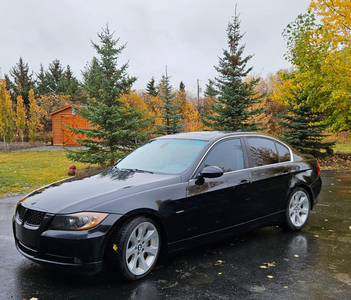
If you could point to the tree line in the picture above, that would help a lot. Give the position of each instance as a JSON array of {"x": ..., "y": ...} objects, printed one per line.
[{"x": 298, "y": 105}]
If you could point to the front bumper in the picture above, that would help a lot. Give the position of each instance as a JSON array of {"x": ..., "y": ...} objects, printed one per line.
[{"x": 69, "y": 251}]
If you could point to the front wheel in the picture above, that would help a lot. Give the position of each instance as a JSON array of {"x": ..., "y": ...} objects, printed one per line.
[
  {"x": 134, "y": 248},
  {"x": 297, "y": 211}
]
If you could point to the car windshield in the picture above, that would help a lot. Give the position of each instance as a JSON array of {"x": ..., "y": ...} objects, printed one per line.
[{"x": 163, "y": 156}]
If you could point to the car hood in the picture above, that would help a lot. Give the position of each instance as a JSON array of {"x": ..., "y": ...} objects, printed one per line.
[{"x": 81, "y": 193}]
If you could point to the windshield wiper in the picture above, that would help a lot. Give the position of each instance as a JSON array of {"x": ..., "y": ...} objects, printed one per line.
[{"x": 137, "y": 170}]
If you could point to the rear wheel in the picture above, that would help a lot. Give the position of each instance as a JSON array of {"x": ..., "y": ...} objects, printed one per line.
[
  {"x": 297, "y": 211},
  {"x": 134, "y": 248}
]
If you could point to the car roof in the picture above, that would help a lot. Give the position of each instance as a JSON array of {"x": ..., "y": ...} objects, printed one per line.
[{"x": 207, "y": 135}]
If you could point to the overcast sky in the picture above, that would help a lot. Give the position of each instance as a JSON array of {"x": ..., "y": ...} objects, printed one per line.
[{"x": 186, "y": 35}]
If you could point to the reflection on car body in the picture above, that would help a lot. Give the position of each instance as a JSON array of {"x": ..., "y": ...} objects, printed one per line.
[{"x": 172, "y": 193}]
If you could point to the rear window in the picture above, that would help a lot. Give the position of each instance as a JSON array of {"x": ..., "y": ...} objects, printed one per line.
[{"x": 284, "y": 153}]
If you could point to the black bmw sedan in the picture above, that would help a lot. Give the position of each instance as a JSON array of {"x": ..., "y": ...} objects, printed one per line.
[{"x": 174, "y": 192}]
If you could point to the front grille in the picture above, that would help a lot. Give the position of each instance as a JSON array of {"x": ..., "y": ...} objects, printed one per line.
[
  {"x": 21, "y": 212},
  {"x": 34, "y": 217},
  {"x": 29, "y": 216}
]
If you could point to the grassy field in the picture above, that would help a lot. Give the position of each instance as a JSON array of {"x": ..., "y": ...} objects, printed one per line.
[
  {"x": 22, "y": 172},
  {"x": 342, "y": 148}
]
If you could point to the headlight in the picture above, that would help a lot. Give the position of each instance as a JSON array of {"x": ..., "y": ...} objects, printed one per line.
[{"x": 78, "y": 221}]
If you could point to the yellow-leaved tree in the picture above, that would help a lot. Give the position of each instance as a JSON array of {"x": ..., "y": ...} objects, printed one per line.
[
  {"x": 189, "y": 115},
  {"x": 7, "y": 117},
  {"x": 153, "y": 103},
  {"x": 337, "y": 14},
  {"x": 20, "y": 117},
  {"x": 49, "y": 103},
  {"x": 134, "y": 101},
  {"x": 321, "y": 56},
  {"x": 271, "y": 105},
  {"x": 34, "y": 115}
]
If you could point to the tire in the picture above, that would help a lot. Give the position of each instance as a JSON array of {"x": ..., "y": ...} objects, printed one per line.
[
  {"x": 134, "y": 248},
  {"x": 297, "y": 211}
]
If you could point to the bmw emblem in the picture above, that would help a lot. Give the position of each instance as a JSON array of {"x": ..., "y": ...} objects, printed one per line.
[{"x": 35, "y": 202}]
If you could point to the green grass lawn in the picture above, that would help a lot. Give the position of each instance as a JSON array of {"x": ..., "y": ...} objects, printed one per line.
[
  {"x": 22, "y": 172},
  {"x": 342, "y": 148}
]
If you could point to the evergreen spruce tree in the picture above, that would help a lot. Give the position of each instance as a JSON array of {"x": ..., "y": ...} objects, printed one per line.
[
  {"x": 68, "y": 84},
  {"x": 151, "y": 89},
  {"x": 53, "y": 76},
  {"x": 41, "y": 87},
  {"x": 170, "y": 110},
  {"x": 57, "y": 80},
  {"x": 235, "y": 97},
  {"x": 181, "y": 101},
  {"x": 114, "y": 127},
  {"x": 182, "y": 86},
  {"x": 22, "y": 82},
  {"x": 302, "y": 128},
  {"x": 205, "y": 107}
]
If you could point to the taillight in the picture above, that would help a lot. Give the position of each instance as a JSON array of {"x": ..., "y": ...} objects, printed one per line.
[{"x": 318, "y": 168}]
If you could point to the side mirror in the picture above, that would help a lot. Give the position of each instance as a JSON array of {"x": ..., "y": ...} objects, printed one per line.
[
  {"x": 211, "y": 172},
  {"x": 208, "y": 172}
]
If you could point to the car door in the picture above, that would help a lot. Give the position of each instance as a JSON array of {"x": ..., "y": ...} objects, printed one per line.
[
  {"x": 271, "y": 176},
  {"x": 219, "y": 203}
]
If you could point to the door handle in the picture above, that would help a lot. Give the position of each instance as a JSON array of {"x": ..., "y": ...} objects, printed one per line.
[{"x": 244, "y": 181}]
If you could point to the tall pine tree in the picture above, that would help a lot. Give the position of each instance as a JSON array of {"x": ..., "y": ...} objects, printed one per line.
[
  {"x": 235, "y": 96},
  {"x": 113, "y": 126},
  {"x": 53, "y": 76},
  {"x": 303, "y": 128},
  {"x": 22, "y": 82},
  {"x": 151, "y": 89},
  {"x": 57, "y": 80},
  {"x": 42, "y": 87},
  {"x": 182, "y": 86},
  {"x": 171, "y": 118}
]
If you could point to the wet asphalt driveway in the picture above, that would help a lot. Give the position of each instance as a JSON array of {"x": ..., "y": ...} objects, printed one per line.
[{"x": 265, "y": 264}]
